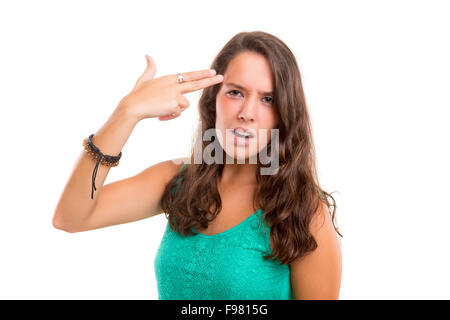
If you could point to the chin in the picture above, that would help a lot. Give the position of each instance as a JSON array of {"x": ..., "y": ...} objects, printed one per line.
[
  {"x": 237, "y": 152},
  {"x": 241, "y": 154}
]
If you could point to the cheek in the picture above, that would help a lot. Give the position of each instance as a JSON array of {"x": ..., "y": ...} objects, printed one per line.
[
  {"x": 270, "y": 117},
  {"x": 270, "y": 122},
  {"x": 224, "y": 108},
  {"x": 273, "y": 116},
  {"x": 222, "y": 113}
]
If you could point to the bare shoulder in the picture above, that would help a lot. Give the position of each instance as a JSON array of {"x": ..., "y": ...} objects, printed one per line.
[
  {"x": 317, "y": 275},
  {"x": 162, "y": 171},
  {"x": 166, "y": 169},
  {"x": 321, "y": 220}
]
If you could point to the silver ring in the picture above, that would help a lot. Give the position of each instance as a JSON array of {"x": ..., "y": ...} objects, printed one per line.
[{"x": 180, "y": 78}]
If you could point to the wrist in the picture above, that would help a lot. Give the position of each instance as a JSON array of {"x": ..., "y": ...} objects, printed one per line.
[{"x": 124, "y": 111}]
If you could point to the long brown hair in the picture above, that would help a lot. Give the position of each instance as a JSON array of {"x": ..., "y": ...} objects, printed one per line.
[{"x": 288, "y": 198}]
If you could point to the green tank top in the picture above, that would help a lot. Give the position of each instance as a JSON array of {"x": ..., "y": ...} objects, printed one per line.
[{"x": 225, "y": 266}]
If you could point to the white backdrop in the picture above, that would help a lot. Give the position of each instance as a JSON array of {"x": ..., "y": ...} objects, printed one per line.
[{"x": 376, "y": 79}]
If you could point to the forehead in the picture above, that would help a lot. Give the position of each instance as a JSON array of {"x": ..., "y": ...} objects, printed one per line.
[{"x": 250, "y": 71}]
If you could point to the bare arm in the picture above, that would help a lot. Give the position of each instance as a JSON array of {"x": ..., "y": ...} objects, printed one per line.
[
  {"x": 139, "y": 196},
  {"x": 75, "y": 204},
  {"x": 317, "y": 276}
]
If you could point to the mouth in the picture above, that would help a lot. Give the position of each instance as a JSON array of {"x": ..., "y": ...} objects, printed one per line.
[{"x": 239, "y": 132}]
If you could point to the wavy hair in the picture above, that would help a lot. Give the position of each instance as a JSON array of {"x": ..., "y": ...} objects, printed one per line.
[{"x": 288, "y": 198}]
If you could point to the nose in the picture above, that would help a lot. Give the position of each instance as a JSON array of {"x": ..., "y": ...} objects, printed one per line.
[{"x": 248, "y": 110}]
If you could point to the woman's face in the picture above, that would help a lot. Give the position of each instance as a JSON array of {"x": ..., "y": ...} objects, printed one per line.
[{"x": 245, "y": 100}]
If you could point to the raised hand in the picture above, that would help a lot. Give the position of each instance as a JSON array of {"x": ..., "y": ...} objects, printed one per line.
[{"x": 163, "y": 97}]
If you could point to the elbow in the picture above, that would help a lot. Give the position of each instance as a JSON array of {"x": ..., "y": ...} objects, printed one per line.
[{"x": 57, "y": 224}]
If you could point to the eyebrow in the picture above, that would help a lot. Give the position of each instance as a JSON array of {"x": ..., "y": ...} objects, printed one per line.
[{"x": 232, "y": 84}]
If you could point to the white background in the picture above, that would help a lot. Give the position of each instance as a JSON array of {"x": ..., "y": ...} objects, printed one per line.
[{"x": 376, "y": 79}]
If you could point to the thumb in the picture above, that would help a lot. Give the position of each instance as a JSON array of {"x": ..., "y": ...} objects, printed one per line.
[{"x": 148, "y": 73}]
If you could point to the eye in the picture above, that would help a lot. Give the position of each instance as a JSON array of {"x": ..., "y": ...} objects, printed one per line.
[
  {"x": 233, "y": 91},
  {"x": 271, "y": 99}
]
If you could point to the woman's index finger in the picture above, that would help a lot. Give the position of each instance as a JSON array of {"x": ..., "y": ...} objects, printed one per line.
[
  {"x": 199, "y": 74},
  {"x": 191, "y": 86}
]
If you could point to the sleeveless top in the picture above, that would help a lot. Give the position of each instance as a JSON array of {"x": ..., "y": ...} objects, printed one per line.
[{"x": 225, "y": 266}]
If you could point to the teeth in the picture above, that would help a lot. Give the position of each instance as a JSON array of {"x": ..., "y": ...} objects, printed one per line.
[{"x": 242, "y": 133}]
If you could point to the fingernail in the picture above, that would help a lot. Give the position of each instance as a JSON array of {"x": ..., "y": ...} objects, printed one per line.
[
  {"x": 212, "y": 71},
  {"x": 173, "y": 114},
  {"x": 219, "y": 77}
]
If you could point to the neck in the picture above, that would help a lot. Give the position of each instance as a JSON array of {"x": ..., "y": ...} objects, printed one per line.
[{"x": 239, "y": 174}]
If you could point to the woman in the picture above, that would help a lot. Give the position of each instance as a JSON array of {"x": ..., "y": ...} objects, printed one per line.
[{"x": 233, "y": 232}]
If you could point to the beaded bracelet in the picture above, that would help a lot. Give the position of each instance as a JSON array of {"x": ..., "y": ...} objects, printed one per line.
[{"x": 96, "y": 154}]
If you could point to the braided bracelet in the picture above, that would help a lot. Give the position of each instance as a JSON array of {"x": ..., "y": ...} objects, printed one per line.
[{"x": 96, "y": 154}]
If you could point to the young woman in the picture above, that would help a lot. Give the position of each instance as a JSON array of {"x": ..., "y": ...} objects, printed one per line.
[{"x": 232, "y": 232}]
